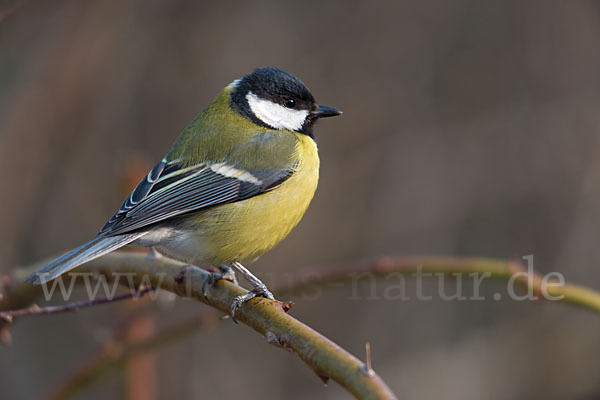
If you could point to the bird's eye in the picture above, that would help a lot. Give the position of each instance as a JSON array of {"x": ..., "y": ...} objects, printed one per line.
[{"x": 289, "y": 103}]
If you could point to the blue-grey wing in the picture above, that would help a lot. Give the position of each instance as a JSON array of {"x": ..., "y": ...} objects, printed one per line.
[
  {"x": 170, "y": 190},
  {"x": 137, "y": 195}
]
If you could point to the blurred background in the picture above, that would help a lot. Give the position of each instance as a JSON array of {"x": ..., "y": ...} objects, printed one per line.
[{"x": 470, "y": 128}]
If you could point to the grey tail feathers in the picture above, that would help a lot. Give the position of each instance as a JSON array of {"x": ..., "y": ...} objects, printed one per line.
[{"x": 95, "y": 248}]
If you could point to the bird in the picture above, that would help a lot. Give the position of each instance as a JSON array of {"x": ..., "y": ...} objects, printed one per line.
[{"x": 235, "y": 182}]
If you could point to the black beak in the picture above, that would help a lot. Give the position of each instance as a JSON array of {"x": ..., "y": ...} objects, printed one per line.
[{"x": 324, "y": 111}]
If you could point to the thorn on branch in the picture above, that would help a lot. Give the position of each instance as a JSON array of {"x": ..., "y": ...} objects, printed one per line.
[
  {"x": 366, "y": 368},
  {"x": 282, "y": 341},
  {"x": 272, "y": 338},
  {"x": 286, "y": 305},
  {"x": 324, "y": 379}
]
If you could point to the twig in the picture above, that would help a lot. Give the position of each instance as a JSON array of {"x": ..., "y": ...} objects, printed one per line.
[{"x": 69, "y": 307}]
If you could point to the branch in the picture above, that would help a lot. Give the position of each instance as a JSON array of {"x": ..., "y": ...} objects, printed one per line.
[
  {"x": 261, "y": 315},
  {"x": 8, "y": 316},
  {"x": 497, "y": 269},
  {"x": 269, "y": 318}
]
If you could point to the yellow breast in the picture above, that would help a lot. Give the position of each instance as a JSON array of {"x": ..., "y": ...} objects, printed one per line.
[{"x": 247, "y": 229}]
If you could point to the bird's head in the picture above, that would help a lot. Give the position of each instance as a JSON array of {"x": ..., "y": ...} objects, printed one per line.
[{"x": 275, "y": 99}]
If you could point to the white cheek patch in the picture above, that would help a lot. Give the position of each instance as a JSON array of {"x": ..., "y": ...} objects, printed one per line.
[{"x": 276, "y": 115}]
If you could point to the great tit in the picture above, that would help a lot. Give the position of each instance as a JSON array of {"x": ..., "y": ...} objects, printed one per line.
[{"x": 236, "y": 181}]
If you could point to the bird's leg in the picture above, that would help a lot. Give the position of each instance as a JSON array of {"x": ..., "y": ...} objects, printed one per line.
[
  {"x": 228, "y": 274},
  {"x": 153, "y": 253},
  {"x": 225, "y": 272},
  {"x": 258, "y": 289}
]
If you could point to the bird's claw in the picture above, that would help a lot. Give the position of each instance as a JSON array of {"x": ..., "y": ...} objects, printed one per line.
[
  {"x": 261, "y": 291},
  {"x": 226, "y": 273}
]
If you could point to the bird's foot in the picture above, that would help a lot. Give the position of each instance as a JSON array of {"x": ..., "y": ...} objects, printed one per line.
[
  {"x": 259, "y": 289},
  {"x": 225, "y": 272},
  {"x": 229, "y": 274},
  {"x": 244, "y": 298}
]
